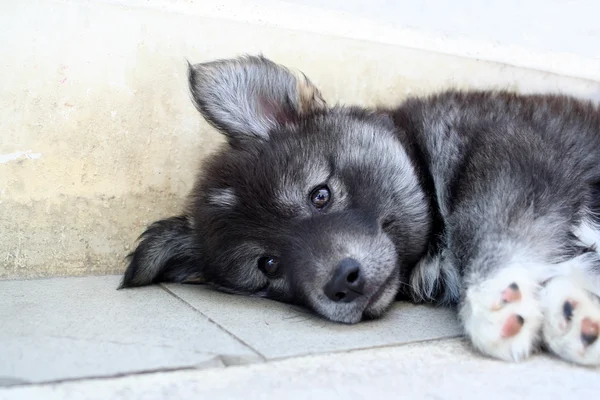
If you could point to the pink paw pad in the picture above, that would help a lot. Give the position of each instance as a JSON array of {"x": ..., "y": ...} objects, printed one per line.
[
  {"x": 512, "y": 326},
  {"x": 509, "y": 295},
  {"x": 589, "y": 331}
]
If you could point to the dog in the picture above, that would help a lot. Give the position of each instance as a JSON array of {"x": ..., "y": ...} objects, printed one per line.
[{"x": 484, "y": 200}]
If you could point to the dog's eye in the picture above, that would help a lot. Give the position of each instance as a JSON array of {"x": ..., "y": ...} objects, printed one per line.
[
  {"x": 269, "y": 265},
  {"x": 320, "y": 196}
]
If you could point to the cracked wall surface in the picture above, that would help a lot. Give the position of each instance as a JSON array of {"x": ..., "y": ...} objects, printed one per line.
[{"x": 98, "y": 136}]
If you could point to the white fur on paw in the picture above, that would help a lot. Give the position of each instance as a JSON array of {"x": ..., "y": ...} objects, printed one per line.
[
  {"x": 572, "y": 321},
  {"x": 502, "y": 315}
]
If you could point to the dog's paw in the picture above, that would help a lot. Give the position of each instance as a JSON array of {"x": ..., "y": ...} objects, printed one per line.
[
  {"x": 502, "y": 315},
  {"x": 571, "y": 321}
]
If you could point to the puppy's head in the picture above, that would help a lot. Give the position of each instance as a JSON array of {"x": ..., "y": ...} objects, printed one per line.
[{"x": 306, "y": 204}]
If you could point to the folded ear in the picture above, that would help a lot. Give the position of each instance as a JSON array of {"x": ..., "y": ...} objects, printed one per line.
[
  {"x": 248, "y": 97},
  {"x": 169, "y": 251}
]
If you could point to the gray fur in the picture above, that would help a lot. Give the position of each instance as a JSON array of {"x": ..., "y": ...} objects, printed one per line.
[
  {"x": 430, "y": 197},
  {"x": 250, "y": 96},
  {"x": 433, "y": 274},
  {"x": 223, "y": 197},
  {"x": 523, "y": 168}
]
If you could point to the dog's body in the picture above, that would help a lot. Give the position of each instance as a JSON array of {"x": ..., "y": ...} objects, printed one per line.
[{"x": 486, "y": 200}]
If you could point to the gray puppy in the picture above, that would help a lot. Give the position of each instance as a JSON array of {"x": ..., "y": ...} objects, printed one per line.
[{"x": 487, "y": 200}]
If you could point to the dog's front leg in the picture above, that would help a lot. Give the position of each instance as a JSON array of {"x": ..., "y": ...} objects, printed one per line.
[
  {"x": 498, "y": 303},
  {"x": 521, "y": 289}
]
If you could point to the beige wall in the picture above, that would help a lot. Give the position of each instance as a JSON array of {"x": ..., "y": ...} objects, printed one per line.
[{"x": 98, "y": 136}]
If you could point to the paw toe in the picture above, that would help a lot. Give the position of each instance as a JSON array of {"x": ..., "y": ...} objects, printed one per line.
[
  {"x": 589, "y": 331},
  {"x": 572, "y": 322},
  {"x": 512, "y": 325},
  {"x": 511, "y": 293},
  {"x": 568, "y": 307},
  {"x": 502, "y": 316}
]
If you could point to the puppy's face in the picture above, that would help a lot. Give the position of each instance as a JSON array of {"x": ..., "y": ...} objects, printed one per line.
[{"x": 305, "y": 204}]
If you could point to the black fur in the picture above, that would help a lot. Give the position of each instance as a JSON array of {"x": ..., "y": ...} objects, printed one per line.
[
  {"x": 435, "y": 199},
  {"x": 173, "y": 250}
]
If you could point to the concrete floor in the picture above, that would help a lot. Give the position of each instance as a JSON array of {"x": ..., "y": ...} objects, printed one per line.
[{"x": 80, "y": 338}]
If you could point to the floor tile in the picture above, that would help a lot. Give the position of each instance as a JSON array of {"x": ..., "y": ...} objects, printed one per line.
[
  {"x": 279, "y": 330},
  {"x": 446, "y": 369},
  {"x": 65, "y": 328}
]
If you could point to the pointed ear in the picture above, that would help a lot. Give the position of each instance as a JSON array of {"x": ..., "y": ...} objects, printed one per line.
[{"x": 248, "y": 97}]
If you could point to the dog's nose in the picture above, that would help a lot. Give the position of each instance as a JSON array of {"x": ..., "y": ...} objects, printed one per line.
[{"x": 347, "y": 283}]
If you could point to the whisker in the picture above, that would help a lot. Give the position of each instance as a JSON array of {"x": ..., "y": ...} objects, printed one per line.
[{"x": 407, "y": 284}]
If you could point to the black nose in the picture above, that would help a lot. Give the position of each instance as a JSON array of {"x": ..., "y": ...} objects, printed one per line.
[{"x": 347, "y": 283}]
